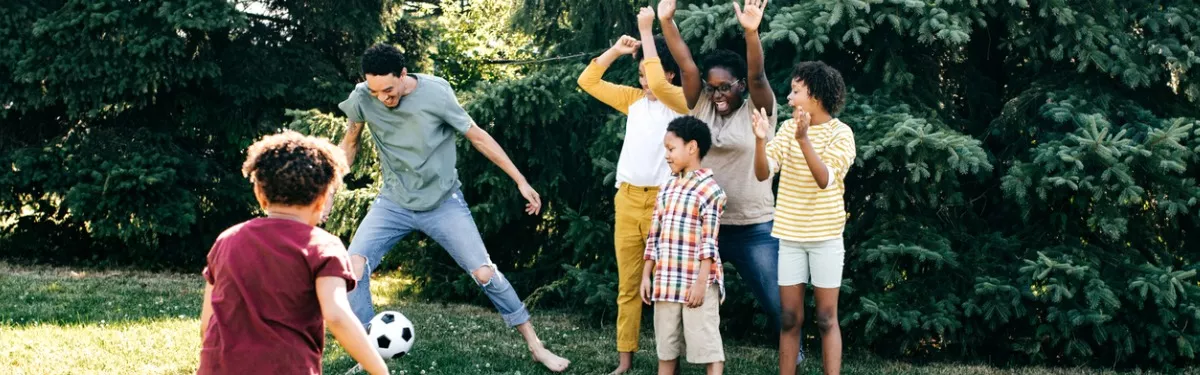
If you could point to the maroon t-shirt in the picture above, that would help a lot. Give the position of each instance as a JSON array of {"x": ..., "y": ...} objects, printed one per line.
[{"x": 266, "y": 317}]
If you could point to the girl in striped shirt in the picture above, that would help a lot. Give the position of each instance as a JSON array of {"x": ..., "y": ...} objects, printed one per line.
[{"x": 812, "y": 153}]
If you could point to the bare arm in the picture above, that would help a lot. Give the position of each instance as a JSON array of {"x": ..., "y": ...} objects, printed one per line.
[
  {"x": 349, "y": 146},
  {"x": 679, "y": 50},
  {"x": 818, "y": 168},
  {"x": 492, "y": 150},
  {"x": 647, "y": 285},
  {"x": 487, "y": 146},
  {"x": 350, "y": 141},
  {"x": 650, "y": 255},
  {"x": 705, "y": 267},
  {"x": 695, "y": 296},
  {"x": 762, "y": 168},
  {"x": 335, "y": 307},
  {"x": 756, "y": 75},
  {"x": 206, "y": 311},
  {"x": 819, "y": 171},
  {"x": 765, "y": 152},
  {"x": 760, "y": 88}
]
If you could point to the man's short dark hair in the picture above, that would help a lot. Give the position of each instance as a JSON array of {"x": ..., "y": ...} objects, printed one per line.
[
  {"x": 689, "y": 129},
  {"x": 383, "y": 59},
  {"x": 725, "y": 59},
  {"x": 293, "y": 169},
  {"x": 824, "y": 83},
  {"x": 664, "y": 54}
]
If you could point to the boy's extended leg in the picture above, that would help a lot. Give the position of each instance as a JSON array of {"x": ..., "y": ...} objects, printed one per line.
[
  {"x": 385, "y": 224},
  {"x": 451, "y": 225}
]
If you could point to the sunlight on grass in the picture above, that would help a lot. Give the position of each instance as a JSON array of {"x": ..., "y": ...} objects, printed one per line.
[
  {"x": 388, "y": 287},
  {"x": 141, "y": 347}
]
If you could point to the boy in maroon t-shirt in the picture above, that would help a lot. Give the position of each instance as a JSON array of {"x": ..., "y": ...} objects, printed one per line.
[{"x": 274, "y": 283}]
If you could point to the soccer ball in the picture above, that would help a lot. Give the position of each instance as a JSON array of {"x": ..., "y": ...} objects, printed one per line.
[{"x": 391, "y": 333}]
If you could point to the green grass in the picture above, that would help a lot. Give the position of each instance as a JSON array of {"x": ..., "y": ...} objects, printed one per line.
[{"x": 55, "y": 321}]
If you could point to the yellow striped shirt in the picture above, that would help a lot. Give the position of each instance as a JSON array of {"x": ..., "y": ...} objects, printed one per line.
[{"x": 803, "y": 211}]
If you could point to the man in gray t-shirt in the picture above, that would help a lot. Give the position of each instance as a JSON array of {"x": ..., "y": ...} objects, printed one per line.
[{"x": 414, "y": 119}]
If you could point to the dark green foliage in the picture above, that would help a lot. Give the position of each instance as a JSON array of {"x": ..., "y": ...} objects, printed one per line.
[
  {"x": 1025, "y": 189},
  {"x": 124, "y": 123}
]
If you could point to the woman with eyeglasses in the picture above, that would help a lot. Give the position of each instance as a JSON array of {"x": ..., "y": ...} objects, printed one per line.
[{"x": 730, "y": 89}]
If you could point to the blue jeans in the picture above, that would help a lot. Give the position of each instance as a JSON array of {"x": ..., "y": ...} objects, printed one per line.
[
  {"x": 755, "y": 254},
  {"x": 451, "y": 225}
]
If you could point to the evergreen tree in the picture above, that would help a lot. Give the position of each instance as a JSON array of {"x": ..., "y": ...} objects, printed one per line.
[
  {"x": 1025, "y": 191},
  {"x": 1026, "y": 183},
  {"x": 124, "y": 123}
]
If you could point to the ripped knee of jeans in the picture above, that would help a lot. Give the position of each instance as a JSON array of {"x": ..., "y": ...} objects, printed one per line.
[
  {"x": 358, "y": 266},
  {"x": 485, "y": 274}
]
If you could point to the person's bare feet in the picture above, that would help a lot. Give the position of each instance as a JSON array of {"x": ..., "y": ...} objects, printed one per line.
[
  {"x": 624, "y": 364},
  {"x": 547, "y": 358}
]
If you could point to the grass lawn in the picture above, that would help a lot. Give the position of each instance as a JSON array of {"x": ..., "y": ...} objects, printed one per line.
[{"x": 58, "y": 321}]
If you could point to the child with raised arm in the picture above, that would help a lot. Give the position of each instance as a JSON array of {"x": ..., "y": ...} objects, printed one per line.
[
  {"x": 812, "y": 153},
  {"x": 641, "y": 168},
  {"x": 722, "y": 91}
]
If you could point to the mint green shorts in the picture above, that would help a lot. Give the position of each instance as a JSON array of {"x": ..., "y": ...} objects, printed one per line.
[{"x": 820, "y": 261}]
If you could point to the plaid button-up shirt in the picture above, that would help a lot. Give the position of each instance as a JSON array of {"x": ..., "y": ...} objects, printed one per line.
[{"x": 683, "y": 233}]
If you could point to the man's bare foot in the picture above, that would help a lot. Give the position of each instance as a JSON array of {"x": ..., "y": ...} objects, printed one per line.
[
  {"x": 549, "y": 359},
  {"x": 624, "y": 364}
]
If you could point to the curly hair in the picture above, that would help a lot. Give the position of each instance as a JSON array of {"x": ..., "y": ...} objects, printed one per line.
[
  {"x": 824, "y": 83},
  {"x": 689, "y": 129},
  {"x": 294, "y": 169},
  {"x": 664, "y": 55},
  {"x": 383, "y": 59},
  {"x": 727, "y": 60}
]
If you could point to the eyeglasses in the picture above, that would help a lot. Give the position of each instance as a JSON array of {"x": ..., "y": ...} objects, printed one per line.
[{"x": 722, "y": 89}]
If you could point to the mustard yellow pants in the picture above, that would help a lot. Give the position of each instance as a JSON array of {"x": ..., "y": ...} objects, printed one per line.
[{"x": 634, "y": 210}]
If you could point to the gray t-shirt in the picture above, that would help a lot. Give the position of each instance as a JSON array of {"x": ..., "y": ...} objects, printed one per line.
[
  {"x": 414, "y": 140},
  {"x": 732, "y": 160}
]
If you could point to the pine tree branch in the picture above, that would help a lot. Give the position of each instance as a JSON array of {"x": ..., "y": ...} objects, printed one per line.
[{"x": 1094, "y": 238}]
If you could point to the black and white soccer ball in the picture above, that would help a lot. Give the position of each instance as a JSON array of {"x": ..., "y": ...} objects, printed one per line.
[{"x": 391, "y": 333}]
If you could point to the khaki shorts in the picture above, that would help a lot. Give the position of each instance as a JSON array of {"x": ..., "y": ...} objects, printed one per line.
[{"x": 677, "y": 327}]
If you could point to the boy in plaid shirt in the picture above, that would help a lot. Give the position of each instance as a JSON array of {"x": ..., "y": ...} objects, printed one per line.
[{"x": 682, "y": 275}]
